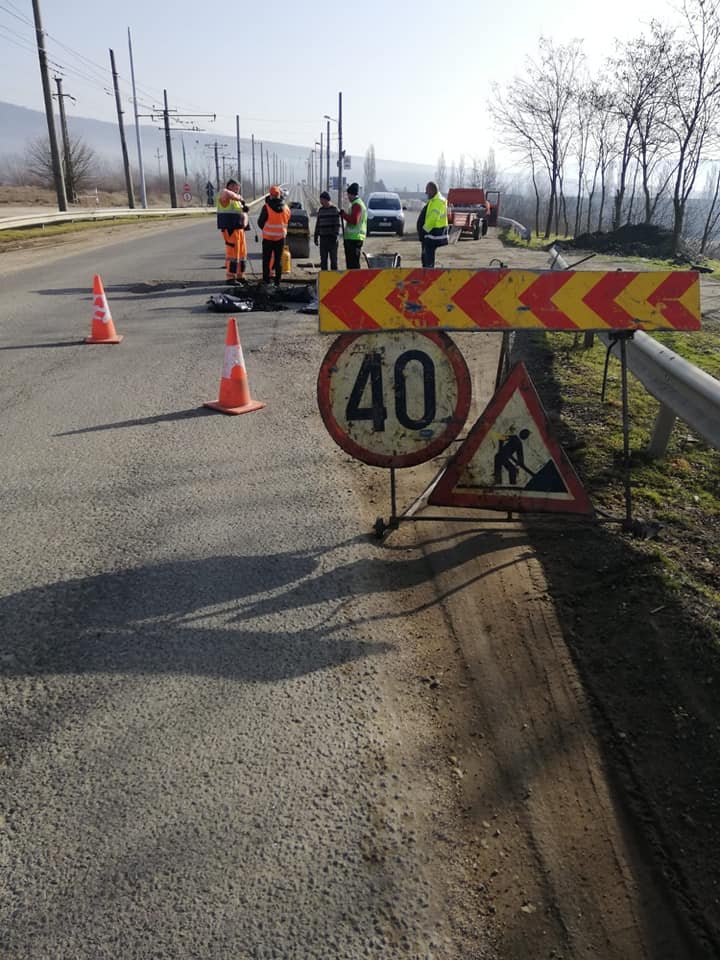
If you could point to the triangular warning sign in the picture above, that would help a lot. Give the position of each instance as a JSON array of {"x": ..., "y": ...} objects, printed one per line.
[{"x": 511, "y": 461}]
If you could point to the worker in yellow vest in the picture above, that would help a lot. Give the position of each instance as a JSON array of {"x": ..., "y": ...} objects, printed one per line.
[
  {"x": 355, "y": 227},
  {"x": 273, "y": 221},
  {"x": 432, "y": 224},
  {"x": 232, "y": 219}
]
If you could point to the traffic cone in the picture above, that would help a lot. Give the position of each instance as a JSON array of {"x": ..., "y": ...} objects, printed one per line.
[
  {"x": 103, "y": 329},
  {"x": 234, "y": 390}
]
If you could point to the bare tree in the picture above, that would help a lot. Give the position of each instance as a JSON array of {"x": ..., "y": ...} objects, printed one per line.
[
  {"x": 441, "y": 173},
  {"x": 713, "y": 213},
  {"x": 83, "y": 158},
  {"x": 638, "y": 77},
  {"x": 461, "y": 171},
  {"x": 369, "y": 169},
  {"x": 535, "y": 111},
  {"x": 489, "y": 175},
  {"x": 693, "y": 91}
]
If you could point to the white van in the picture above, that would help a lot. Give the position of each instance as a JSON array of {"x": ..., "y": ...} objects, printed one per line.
[{"x": 385, "y": 213}]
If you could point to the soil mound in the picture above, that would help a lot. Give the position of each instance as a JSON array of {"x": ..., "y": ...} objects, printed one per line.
[{"x": 630, "y": 240}]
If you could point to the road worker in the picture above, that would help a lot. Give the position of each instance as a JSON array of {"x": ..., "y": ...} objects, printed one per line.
[
  {"x": 232, "y": 219},
  {"x": 356, "y": 227},
  {"x": 273, "y": 221},
  {"x": 327, "y": 228},
  {"x": 432, "y": 224}
]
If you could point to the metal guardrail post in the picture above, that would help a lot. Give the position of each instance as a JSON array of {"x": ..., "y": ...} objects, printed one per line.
[{"x": 662, "y": 431}]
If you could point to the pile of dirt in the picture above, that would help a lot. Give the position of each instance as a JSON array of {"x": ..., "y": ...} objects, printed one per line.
[{"x": 631, "y": 240}]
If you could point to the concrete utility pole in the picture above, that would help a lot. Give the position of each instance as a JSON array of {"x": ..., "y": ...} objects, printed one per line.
[
  {"x": 252, "y": 142},
  {"x": 267, "y": 162},
  {"x": 126, "y": 162},
  {"x": 54, "y": 153},
  {"x": 327, "y": 156},
  {"x": 168, "y": 146},
  {"x": 237, "y": 139},
  {"x": 340, "y": 152},
  {"x": 69, "y": 179},
  {"x": 143, "y": 191},
  {"x": 262, "y": 170},
  {"x": 158, "y": 157}
]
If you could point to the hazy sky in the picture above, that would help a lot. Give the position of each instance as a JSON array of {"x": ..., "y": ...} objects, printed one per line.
[{"x": 415, "y": 76}]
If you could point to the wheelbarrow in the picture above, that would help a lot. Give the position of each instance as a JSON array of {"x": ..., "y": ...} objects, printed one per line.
[{"x": 382, "y": 261}]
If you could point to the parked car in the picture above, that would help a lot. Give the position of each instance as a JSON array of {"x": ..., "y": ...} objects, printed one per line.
[{"x": 385, "y": 213}]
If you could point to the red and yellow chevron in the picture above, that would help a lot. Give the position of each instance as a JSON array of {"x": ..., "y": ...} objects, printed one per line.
[{"x": 371, "y": 300}]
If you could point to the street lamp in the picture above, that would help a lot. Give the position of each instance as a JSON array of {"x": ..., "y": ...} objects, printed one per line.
[
  {"x": 340, "y": 149},
  {"x": 320, "y": 155}
]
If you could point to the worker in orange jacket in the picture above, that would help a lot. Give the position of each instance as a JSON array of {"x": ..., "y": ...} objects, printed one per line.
[
  {"x": 233, "y": 220},
  {"x": 273, "y": 221}
]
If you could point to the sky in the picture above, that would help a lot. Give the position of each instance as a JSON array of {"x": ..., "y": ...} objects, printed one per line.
[{"x": 416, "y": 77}]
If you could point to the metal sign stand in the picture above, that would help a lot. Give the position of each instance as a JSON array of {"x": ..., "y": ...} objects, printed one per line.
[{"x": 630, "y": 524}]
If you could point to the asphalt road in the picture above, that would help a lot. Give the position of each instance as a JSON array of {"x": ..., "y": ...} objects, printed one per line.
[{"x": 193, "y": 740}]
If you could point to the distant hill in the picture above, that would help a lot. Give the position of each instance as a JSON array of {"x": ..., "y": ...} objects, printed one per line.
[{"x": 19, "y": 125}]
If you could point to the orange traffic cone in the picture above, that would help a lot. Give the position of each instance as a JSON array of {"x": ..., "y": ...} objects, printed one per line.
[
  {"x": 103, "y": 328},
  {"x": 234, "y": 390}
]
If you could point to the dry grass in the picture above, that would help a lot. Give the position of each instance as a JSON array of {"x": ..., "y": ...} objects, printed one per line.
[{"x": 40, "y": 196}]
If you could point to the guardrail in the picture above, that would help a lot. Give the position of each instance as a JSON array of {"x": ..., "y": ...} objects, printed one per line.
[
  {"x": 522, "y": 231},
  {"x": 43, "y": 219},
  {"x": 684, "y": 391}
]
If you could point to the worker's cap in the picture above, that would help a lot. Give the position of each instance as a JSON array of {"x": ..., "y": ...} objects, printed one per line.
[
  {"x": 324, "y": 195},
  {"x": 354, "y": 189},
  {"x": 275, "y": 192}
]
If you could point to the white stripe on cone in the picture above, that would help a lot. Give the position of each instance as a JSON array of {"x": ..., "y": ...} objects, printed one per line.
[{"x": 233, "y": 358}]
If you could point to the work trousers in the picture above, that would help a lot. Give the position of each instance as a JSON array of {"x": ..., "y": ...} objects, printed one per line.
[
  {"x": 235, "y": 253},
  {"x": 328, "y": 251},
  {"x": 352, "y": 254},
  {"x": 270, "y": 247},
  {"x": 427, "y": 256}
]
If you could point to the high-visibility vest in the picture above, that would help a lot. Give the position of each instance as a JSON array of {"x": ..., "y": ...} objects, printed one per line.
[
  {"x": 275, "y": 227},
  {"x": 357, "y": 231},
  {"x": 229, "y": 214},
  {"x": 436, "y": 218}
]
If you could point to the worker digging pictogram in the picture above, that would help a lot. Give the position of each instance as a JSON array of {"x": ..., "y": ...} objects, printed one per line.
[{"x": 510, "y": 459}]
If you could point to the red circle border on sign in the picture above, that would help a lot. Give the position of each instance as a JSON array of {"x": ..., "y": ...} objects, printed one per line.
[{"x": 462, "y": 407}]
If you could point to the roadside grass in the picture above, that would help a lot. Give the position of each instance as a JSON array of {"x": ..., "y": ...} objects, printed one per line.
[
  {"x": 536, "y": 242},
  {"x": 681, "y": 491},
  {"x": 712, "y": 265},
  {"x": 12, "y": 239}
]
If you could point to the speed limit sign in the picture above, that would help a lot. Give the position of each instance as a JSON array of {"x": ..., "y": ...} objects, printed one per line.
[{"x": 394, "y": 399}]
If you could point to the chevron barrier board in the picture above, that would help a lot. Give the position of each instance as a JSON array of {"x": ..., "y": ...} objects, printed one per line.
[{"x": 365, "y": 301}]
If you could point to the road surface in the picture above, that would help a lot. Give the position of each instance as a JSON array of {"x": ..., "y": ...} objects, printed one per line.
[{"x": 233, "y": 726}]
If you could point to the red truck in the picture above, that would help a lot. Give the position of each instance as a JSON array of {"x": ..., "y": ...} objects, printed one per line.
[{"x": 472, "y": 210}]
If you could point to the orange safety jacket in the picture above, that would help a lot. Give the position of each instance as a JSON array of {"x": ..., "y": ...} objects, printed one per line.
[{"x": 275, "y": 227}]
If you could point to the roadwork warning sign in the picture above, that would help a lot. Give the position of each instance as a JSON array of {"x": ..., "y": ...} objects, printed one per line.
[{"x": 511, "y": 461}]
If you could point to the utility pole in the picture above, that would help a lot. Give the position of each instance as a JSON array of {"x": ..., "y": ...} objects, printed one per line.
[
  {"x": 168, "y": 146},
  {"x": 217, "y": 168},
  {"x": 126, "y": 162},
  {"x": 267, "y": 161},
  {"x": 158, "y": 157},
  {"x": 340, "y": 152},
  {"x": 143, "y": 191},
  {"x": 237, "y": 138},
  {"x": 54, "y": 153},
  {"x": 182, "y": 143},
  {"x": 327, "y": 156},
  {"x": 166, "y": 118},
  {"x": 252, "y": 142},
  {"x": 262, "y": 170},
  {"x": 69, "y": 179}
]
